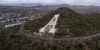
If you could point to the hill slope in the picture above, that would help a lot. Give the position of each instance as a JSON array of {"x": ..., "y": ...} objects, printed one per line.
[{"x": 69, "y": 23}]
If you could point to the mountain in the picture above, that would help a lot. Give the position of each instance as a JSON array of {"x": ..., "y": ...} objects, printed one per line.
[
  {"x": 30, "y": 4},
  {"x": 69, "y": 23},
  {"x": 22, "y": 4}
]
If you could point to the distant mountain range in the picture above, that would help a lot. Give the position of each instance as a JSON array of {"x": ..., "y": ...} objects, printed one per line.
[
  {"x": 33, "y": 4},
  {"x": 38, "y": 4},
  {"x": 30, "y": 4},
  {"x": 23, "y": 4}
]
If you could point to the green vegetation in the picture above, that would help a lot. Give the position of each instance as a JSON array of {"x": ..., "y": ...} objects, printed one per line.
[
  {"x": 72, "y": 23},
  {"x": 10, "y": 40},
  {"x": 69, "y": 23}
]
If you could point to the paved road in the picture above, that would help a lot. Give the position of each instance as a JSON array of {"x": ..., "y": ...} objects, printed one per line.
[{"x": 74, "y": 38}]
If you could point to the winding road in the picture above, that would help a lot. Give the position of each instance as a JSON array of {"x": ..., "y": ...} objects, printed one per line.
[{"x": 74, "y": 38}]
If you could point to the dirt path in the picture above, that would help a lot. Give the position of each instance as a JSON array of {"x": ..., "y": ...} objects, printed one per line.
[{"x": 74, "y": 38}]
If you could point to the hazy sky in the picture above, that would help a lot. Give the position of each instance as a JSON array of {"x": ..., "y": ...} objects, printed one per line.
[{"x": 80, "y": 2}]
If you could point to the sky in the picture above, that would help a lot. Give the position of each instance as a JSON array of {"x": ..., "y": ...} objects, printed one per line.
[{"x": 73, "y": 2}]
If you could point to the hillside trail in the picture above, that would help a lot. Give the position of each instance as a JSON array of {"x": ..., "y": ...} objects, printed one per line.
[{"x": 75, "y": 38}]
